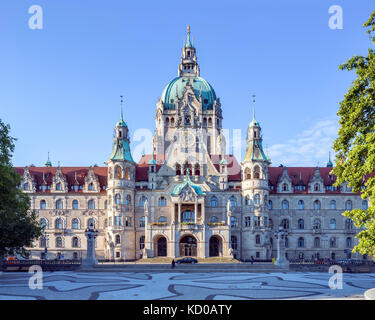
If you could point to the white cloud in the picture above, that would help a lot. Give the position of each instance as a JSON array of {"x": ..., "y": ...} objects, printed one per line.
[{"x": 308, "y": 148}]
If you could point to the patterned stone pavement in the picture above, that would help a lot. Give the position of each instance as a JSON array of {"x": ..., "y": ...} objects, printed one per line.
[{"x": 182, "y": 286}]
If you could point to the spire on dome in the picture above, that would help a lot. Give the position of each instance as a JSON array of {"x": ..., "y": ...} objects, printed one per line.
[
  {"x": 188, "y": 65},
  {"x": 329, "y": 163},
  {"x": 48, "y": 163},
  {"x": 188, "y": 43}
]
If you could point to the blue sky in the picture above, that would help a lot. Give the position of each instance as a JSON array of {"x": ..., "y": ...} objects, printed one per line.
[{"x": 60, "y": 86}]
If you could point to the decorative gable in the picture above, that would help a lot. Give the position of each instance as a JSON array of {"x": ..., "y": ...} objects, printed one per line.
[
  {"x": 28, "y": 184},
  {"x": 284, "y": 185},
  {"x": 59, "y": 182},
  {"x": 91, "y": 182},
  {"x": 316, "y": 183}
]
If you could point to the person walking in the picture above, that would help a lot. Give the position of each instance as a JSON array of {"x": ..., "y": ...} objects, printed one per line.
[{"x": 173, "y": 264}]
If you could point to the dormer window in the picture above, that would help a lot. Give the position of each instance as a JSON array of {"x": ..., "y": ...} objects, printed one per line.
[
  {"x": 58, "y": 186},
  {"x": 91, "y": 187},
  {"x": 26, "y": 187},
  {"x": 316, "y": 187},
  {"x": 285, "y": 187}
]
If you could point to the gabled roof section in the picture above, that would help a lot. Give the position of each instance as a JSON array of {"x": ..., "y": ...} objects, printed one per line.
[{"x": 179, "y": 187}]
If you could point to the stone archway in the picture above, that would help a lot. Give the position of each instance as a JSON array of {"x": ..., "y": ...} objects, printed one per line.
[
  {"x": 215, "y": 247},
  {"x": 188, "y": 246},
  {"x": 160, "y": 246}
]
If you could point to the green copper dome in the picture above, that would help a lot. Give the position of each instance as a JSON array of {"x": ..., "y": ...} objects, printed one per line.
[{"x": 168, "y": 96}]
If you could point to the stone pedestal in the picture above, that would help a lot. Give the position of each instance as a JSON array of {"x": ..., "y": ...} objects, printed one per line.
[
  {"x": 90, "y": 260},
  {"x": 281, "y": 259}
]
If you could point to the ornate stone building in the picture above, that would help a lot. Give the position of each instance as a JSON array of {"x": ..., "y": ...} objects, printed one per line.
[{"x": 188, "y": 198}]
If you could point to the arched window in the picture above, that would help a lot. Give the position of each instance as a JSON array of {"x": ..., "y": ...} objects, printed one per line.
[
  {"x": 142, "y": 242},
  {"x": 197, "y": 170},
  {"x": 256, "y": 172},
  {"x": 233, "y": 242},
  {"x": 142, "y": 222},
  {"x": 349, "y": 242},
  {"x": 142, "y": 201},
  {"x": 214, "y": 219},
  {"x": 162, "y": 201},
  {"x": 248, "y": 200},
  {"x": 75, "y": 204},
  {"x": 58, "y": 242},
  {"x": 75, "y": 242},
  {"x": 301, "y": 242},
  {"x": 178, "y": 169},
  {"x": 91, "y": 222},
  {"x": 257, "y": 239},
  {"x": 75, "y": 223},
  {"x": 91, "y": 187},
  {"x": 316, "y": 187},
  {"x": 59, "y": 223},
  {"x": 58, "y": 186},
  {"x": 285, "y": 223},
  {"x": 332, "y": 205},
  {"x": 91, "y": 204},
  {"x": 43, "y": 223},
  {"x": 316, "y": 205},
  {"x": 270, "y": 205},
  {"x": 128, "y": 200},
  {"x": 317, "y": 242},
  {"x": 162, "y": 219},
  {"x": 118, "y": 239},
  {"x": 301, "y": 205},
  {"x": 233, "y": 201},
  {"x": 317, "y": 225},
  {"x": 332, "y": 242},
  {"x": 348, "y": 205},
  {"x": 59, "y": 204},
  {"x": 257, "y": 199},
  {"x": 127, "y": 173},
  {"x": 285, "y": 187},
  {"x": 117, "y": 198},
  {"x": 286, "y": 242},
  {"x": 43, "y": 204},
  {"x": 247, "y": 174},
  {"x": 285, "y": 204},
  {"x": 332, "y": 224},
  {"x": 364, "y": 205},
  {"x": 301, "y": 224},
  {"x": 214, "y": 202},
  {"x": 233, "y": 222},
  {"x": 348, "y": 224},
  {"x": 118, "y": 172}
]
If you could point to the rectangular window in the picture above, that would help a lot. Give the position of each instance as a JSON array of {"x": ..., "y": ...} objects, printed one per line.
[{"x": 128, "y": 221}]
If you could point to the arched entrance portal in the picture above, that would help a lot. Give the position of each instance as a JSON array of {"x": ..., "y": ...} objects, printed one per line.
[
  {"x": 215, "y": 246},
  {"x": 161, "y": 247},
  {"x": 188, "y": 246}
]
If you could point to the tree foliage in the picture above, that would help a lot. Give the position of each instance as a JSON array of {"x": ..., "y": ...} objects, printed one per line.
[
  {"x": 355, "y": 145},
  {"x": 18, "y": 225}
]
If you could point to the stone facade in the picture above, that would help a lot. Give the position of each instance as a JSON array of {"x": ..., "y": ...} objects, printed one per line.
[{"x": 188, "y": 198}]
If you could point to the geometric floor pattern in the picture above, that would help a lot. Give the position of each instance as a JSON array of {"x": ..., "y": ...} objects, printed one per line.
[{"x": 68, "y": 285}]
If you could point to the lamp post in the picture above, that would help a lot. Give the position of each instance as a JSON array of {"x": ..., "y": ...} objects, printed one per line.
[
  {"x": 280, "y": 235},
  {"x": 45, "y": 246}
]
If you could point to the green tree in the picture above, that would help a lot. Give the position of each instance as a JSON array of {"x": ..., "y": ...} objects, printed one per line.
[
  {"x": 355, "y": 145},
  {"x": 18, "y": 225}
]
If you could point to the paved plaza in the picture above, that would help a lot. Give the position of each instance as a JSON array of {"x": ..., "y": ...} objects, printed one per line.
[{"x": 185, "y": 286}]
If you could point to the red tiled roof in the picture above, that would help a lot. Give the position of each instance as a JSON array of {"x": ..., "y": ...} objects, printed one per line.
[
  {"x": 68, "y": 172},
  {"x": 234, "y": 169}
]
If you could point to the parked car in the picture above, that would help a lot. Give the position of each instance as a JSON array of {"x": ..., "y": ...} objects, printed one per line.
[{"x": 187, "y": 260}]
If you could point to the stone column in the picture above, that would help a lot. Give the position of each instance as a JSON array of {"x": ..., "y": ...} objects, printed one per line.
[
  {"x": 281, "y": 260},
  {"x": 90, "y": 260}
]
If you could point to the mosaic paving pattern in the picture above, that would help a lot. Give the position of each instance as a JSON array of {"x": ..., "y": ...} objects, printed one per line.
[{"x": 182, "y": 286}]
